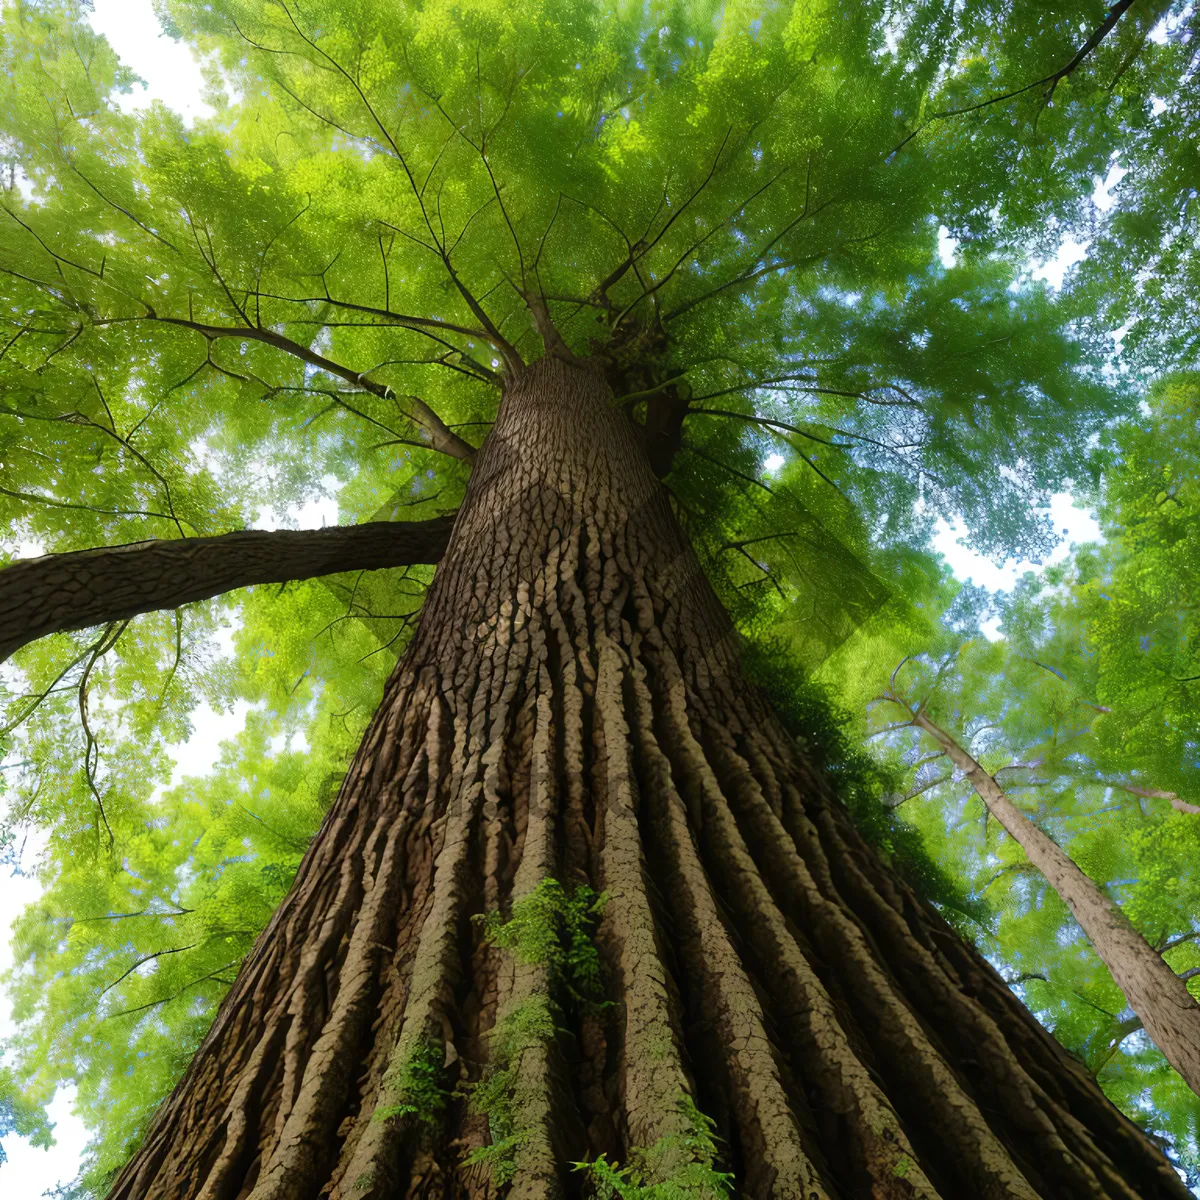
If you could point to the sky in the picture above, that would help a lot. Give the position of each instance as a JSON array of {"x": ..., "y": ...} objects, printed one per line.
[
  {"x": 173, "y": 76},
  {"x": 168, "y": 67}
]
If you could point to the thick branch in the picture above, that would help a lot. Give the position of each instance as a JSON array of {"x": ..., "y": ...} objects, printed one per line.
[
  {"x": 551, "y": 338},
  {"x": 40, "y": 596},
  {"x": 1175, "y": 801}
]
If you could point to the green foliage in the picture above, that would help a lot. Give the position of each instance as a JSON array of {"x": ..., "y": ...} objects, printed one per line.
[
  {"x": 1153, "y": 219},
  {"x": 419, "y": 1085},
  {"x": 119, "y": 967},
  {"x": 677, "y": 1167},
  {"x": 500, "y": 1154},
  {"x": 554, "y": 928},
  {"x": 497, "y": 1096},
  {"x": 529, "y": 1022}
]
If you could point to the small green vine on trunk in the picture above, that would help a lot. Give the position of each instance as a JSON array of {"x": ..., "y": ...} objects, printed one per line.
[
  {"x": 498, "y": 1095},
  {"x": 552, "y": 928},
  {"x": 419, "y": 1085},
  {"x": 679, "y": 1166}
]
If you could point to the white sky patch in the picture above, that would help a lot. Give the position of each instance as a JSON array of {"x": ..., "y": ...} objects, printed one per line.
[
  {"x": 1102, "y": 197},
  {"x": 1074, "y": 525},
  {"x": 198, "y": 755},
  {"x": 169, "y": 68},
  {"x": 1069, "y": 253},
  {"x": 30, "y": 1171},
  {"x": 892, "y": 33},
  {"x": 772, "y": 463},
  {"x": 296, "y": 742},
  {"x": 991, "y": 629},
  {"x": 24, "y": 548},
  {"x": 314, "y": 514},
  {"x": 947, "y": 247}
]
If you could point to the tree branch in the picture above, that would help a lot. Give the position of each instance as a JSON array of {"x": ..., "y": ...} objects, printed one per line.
[
  {"x": 1050, "y": 81},
  {"x": 1156, "y": 794},
  {"x": 894, "y": 802},
  {"x": 58, "y": 592},
  {"x": 441, "y": 437},
  {"x": 91, "y": 750},
  {"x": 1025, "y": 977},
  {"x": 417, "y": 324},
  {"x": 1121, "y": 1031},
  {"x": 1179, "y": 941},
  {"x": 142, "y": 961}
]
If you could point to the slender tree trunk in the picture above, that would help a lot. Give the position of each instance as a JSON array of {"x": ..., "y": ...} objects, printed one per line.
[
  {"x": 1156, "y": 994},
  {"x": 571, "y": 708},
  {"x": 1176, "y": 802},
  {"x": 57, "y": 592}
]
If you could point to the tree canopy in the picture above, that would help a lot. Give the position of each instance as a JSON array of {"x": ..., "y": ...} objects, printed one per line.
[{"x": 736, "y": 209}]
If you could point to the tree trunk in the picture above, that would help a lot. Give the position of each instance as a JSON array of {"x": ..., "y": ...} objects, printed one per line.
[
  {"x": 1159, "y": 997},
  {"x": 1176, "y": 801},
  {"x": 57, "y": 592},
  {"x": 571, "y": 709}
]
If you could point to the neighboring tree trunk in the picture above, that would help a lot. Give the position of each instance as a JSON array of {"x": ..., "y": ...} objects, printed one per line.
[
  {"x": 1176, "y": 802},
  {"x": 57, "y": 592},
  {"x": 1156, "y": 994},
  {"x": 571, "y": 709}
]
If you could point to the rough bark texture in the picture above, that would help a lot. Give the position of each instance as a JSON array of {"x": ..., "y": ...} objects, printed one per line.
[
  {"x": 571, "y": 707},
  {"x": 57, "y": 592},
  {"x": 1160, "y": 998}
]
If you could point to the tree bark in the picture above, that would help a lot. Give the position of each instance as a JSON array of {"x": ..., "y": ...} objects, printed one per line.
[
  {"x": 571, "y": 709},
  {"x": 1156, "y": 994},
  {"x": 58, "y": 592}
]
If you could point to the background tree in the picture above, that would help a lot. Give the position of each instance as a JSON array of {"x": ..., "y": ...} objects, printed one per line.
[
  {"x": 1084, "y": 714},
  {"x": 663, "y": 239},
  {"x": 1159, "y": 998}
]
